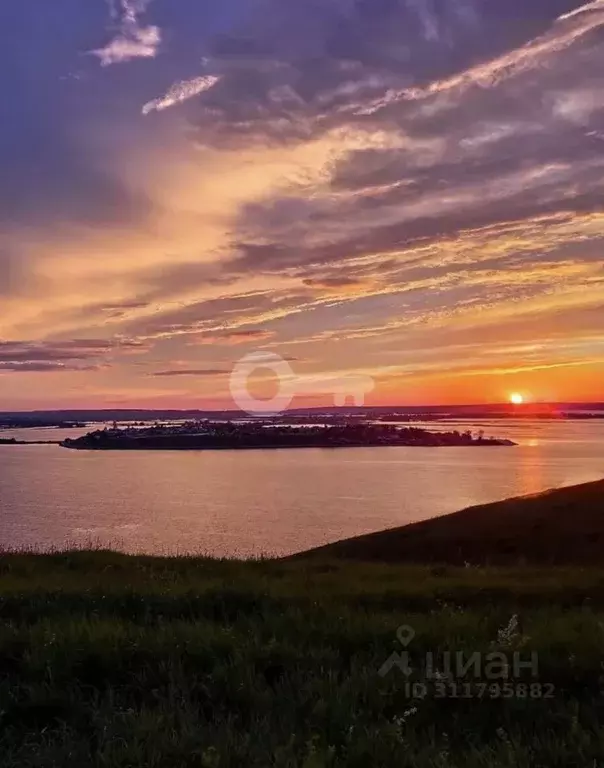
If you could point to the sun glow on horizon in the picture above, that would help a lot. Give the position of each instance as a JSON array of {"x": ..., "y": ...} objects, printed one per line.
[{"x": 516, "y": 398}]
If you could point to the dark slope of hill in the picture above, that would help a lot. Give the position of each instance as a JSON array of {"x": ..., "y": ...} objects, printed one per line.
[{"x": 559, "y": 527}]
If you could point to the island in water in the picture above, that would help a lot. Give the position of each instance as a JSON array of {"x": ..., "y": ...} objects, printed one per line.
[{"x": 208, "y": 435}]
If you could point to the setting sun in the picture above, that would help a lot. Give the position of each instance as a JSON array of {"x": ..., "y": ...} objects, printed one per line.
[{"x": 516, "y": 398}]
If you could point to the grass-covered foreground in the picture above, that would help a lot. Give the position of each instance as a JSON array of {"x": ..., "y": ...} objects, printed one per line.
[{"x": 113, "y": 661}]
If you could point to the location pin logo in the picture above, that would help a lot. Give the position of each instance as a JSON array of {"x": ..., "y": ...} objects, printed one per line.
[{"x": 405, "y": 635}]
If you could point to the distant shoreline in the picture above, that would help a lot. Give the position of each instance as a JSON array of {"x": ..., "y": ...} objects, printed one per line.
[
  {"x": 316, "y": 446},
  {"x": 428, "y": 412}
]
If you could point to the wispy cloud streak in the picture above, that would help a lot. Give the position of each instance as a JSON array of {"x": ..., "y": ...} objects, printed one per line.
[
  {"x": 517, "y": 61},
  {"x": 408, "y": 185},
  {"x": 596, "y": 5},
  {"x": 180, "y": 92},
  {"x": 133, "y": 41}
]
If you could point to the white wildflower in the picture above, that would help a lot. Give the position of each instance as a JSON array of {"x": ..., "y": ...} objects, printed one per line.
[{"x": 508, "y": 634}]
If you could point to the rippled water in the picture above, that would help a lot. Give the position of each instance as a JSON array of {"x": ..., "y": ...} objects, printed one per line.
[{"x": 272, "y": 502}]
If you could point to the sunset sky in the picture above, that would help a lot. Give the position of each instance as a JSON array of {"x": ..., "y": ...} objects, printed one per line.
[{"x": 410, "y": 190}]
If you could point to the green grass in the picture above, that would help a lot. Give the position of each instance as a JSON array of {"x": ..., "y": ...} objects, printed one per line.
[{"x": 113, "y": 661}]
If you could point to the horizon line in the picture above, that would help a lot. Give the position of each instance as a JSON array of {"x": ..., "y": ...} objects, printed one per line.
[{"x": 501, "y": 405}]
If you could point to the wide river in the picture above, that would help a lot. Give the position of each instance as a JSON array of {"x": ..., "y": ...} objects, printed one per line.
[{"x": 230, "y": 503}]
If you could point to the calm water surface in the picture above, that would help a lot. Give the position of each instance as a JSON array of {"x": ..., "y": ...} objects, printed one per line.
[{"x": 272, "y": 502}]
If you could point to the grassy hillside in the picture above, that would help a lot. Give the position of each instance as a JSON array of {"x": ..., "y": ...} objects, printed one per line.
[
  {"x": 113, "y": 661},
  {"x": 560, "y": 527}
]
